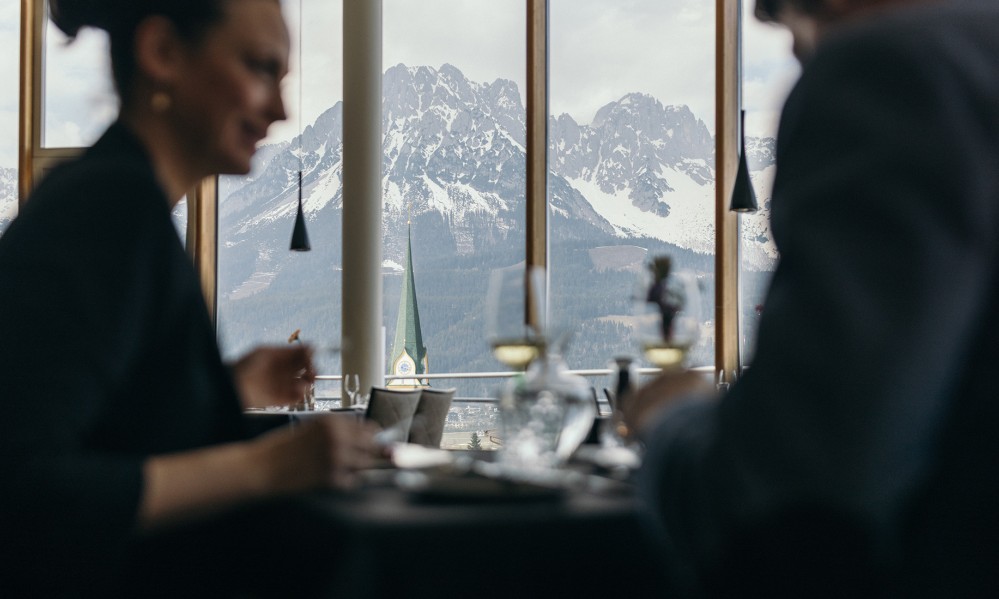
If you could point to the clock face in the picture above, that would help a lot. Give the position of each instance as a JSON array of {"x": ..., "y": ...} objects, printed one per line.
[{"x": 405, "y": 365}]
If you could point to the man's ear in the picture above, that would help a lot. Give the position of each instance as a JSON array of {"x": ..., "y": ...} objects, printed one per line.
[{"x": 159, "y": 51}]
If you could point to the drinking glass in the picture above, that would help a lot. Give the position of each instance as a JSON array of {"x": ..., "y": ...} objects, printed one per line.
[
  {"x": 669, "y": 314},
  {"x": 351, "y": 384},
  {"x": 324, "y": 395},
  {"x": 515, "y": 315}
]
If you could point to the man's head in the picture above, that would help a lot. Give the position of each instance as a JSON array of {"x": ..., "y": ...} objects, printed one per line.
[{"x": 809, "y": 19}]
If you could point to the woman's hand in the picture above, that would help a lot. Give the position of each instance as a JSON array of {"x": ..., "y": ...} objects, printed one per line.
[
  {"x": 321, "y": 451},
  {"x": 274, "y": 375}
]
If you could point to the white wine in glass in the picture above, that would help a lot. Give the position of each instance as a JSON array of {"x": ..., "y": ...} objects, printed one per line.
[
  {"x": 668, "y": 318},
  {"x": 515, "y": 315},
  {"x": 516, "y": 353},
  {"x": 665, "y": 355}
]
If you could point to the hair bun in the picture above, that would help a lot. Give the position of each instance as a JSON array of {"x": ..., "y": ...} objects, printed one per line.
[{"x": 72, "y": 15}]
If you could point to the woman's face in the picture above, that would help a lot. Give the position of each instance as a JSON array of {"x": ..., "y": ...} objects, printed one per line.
[{"x": 229, "y": 91}]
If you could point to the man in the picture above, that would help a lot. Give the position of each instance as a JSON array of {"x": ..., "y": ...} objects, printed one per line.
[{"x": 859, "y": 454}]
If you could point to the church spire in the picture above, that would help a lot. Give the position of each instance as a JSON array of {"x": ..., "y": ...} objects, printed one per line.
[{"x": 409, "y": 355}]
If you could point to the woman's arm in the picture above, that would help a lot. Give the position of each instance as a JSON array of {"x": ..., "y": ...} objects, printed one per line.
[{"x": 319, "y": 453}]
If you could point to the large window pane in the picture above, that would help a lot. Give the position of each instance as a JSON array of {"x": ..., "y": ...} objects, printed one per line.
[
  {"x": 454, "y": 122},
  {"x": 78, "y": 99},
  {"x": 631, "y": 163},
  {"x": 769, "y": 70},
  {"x": 266, "y": 291},
  {"x": 10, "y": 14},
  {"x": 179, "y": 215}
]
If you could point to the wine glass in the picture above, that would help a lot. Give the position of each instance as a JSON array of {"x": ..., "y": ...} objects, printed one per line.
[
  {"x": 669, "y": 314},
  {"x": 515, "y": 315},
  {"x": 325, "y": 362},
  {"x": 324, "y": 359},
  {"x": 351, "y": 384}
]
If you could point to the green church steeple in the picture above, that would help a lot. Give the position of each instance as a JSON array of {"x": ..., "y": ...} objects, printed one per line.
[{"x": 409, "y": 355}]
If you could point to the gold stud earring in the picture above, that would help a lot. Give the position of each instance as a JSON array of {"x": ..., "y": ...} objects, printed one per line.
[{"x": 160, "y": 102}]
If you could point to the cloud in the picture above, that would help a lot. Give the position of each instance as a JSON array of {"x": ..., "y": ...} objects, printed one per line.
[
  {"x": 769, "y": 71},
  {"x": 485, "y": 39},
  {"x": 10, "y": 50},
  {"x": 79, "y": 100},
  {"x": 600, "y": 51}
]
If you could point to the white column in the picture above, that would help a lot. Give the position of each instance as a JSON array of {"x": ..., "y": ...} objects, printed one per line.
[{"x": 362, "y": 193}]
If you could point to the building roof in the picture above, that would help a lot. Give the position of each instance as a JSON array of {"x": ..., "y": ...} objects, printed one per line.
[{"x": 408, "y": 335}]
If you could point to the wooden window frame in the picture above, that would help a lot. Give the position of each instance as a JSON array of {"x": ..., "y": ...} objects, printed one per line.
[
  {"x": 34, "y": 160},
  {"x": 202, "y": 227},
  {"x": 727, "y": 359}
]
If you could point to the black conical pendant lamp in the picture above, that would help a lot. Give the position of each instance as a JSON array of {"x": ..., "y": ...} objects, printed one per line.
[
  {"x": 743, "y": 194},
  {"x": 299, "y": 236}
]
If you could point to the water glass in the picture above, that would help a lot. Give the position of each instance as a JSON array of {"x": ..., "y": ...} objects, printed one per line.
[{"x": 545, "y": 415}]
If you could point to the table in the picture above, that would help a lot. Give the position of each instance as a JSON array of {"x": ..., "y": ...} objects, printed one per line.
[
  {"x": 578, "y": 545},
  {"x": 256, "y": 422},
  {"x": 381, "y": 541}
]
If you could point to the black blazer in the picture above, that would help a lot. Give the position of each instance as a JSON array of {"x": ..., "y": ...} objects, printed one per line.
[
  {"x": 859, "y": 452},
  {"x": 107, "y": 356}
]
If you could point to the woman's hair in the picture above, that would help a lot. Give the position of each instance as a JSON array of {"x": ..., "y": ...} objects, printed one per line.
[{"x": 119, "y": 18}]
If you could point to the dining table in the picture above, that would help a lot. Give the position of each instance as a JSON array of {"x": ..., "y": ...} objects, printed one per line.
[
  {"x": 448, "y": 535},
  {"x": 451, "y": 529}
]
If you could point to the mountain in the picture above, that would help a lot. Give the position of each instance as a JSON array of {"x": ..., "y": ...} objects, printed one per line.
[
  {"x": 758, "y": 250},
  {"x": 646, "y": 168},
  {"x": 454, "y": 164},
  {"x": 8, "y": 196}
]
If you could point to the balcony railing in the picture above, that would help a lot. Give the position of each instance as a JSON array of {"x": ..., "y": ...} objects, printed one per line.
[
  {"x": 479, "y": 415},
  {"x": 585, "y": 373}
]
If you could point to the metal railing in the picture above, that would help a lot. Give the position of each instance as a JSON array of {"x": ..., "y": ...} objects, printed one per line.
[{"x": 586, "y": 373}]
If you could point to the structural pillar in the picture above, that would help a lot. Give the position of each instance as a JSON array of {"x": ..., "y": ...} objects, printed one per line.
[{"x": 362, "y": 331}]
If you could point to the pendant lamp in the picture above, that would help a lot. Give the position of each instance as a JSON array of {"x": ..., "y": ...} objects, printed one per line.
[
  {"x": 299, "y": 236},
  {"x": 743, "y": 195}
]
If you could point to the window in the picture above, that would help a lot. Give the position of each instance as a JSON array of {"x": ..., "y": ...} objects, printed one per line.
[
  {"x": 179, "y": 215},
  {"x": 78, "y": 98},
  {"x": 769, "y": 70},
  {"x": 454, "y": 168},
  {"x": 9, "y": 52},
  {"x": 265, "y": 291},
  {"x": 631, "y": 163}
]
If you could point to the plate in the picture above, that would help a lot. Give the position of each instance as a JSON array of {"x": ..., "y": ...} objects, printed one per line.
[{"x": 446, "y": 487}]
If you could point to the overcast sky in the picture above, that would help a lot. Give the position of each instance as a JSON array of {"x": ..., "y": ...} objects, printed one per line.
[{"x": 600, "y": 50}]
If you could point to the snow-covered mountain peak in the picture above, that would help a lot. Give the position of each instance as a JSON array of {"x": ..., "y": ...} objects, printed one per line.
[{"x": 454, "y": 160}]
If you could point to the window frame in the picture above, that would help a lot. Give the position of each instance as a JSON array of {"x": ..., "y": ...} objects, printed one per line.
[
  {"x": 202, "y": 227},
  {"x": 34, "y": 160}
]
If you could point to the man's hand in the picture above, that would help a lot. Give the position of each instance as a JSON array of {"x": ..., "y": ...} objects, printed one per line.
[
  {"x": 274, "y": 375},
  {"x": 641, "y": 407}
]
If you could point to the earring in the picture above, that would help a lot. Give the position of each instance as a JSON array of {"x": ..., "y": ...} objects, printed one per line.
[{"x": 160, "y": 102}]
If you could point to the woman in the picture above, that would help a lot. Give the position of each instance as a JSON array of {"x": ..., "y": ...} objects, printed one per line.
[{"x": 120, "y": 416}]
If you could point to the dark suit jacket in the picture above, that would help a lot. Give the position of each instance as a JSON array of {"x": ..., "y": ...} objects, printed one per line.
[{"x": 859, "y": 454}]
